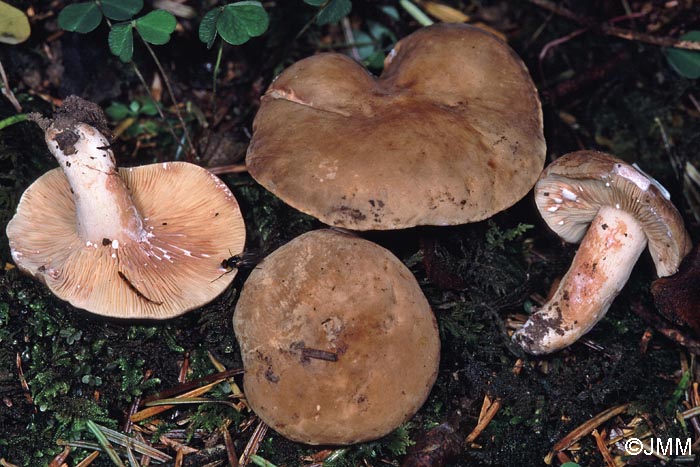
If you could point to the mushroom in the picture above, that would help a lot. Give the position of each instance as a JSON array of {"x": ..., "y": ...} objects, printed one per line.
[
  {"x": 677, "y": 297},
  {"x": 626, "y": 212},
  {"x": 143, "y": 242},
  {"x": 450, "y": 133},
  {"x": 339, "y": 344}
]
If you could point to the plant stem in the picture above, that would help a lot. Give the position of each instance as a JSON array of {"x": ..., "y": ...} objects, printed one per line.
[
  {"x": 216, "y": 72},
  {"x": 157, "y": 106},
  {"x": 193, "y": 151},
  {"x": 12, "y": 120}
]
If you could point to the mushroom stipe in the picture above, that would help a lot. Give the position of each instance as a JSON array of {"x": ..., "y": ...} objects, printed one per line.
[
  {"x": 125, "y": 243},
  {"x": 615, "y": 211}
]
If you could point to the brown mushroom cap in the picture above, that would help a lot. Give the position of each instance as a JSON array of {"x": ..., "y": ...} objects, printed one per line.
[
  {"x": 328, "y": 295},
  {"x": 450, "y": 133},
  {"x": 572, "y": 189},
  {"x": 192, "y": 222}
]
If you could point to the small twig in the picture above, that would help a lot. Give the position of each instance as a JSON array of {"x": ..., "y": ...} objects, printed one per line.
[
  {"x": 666, "y": 328},
  {"x": 319, "y": 354},
  {"x": 611, "y": 30},
  {"x": 151, "y": 411},
  {"x": 603, "y": 448},
  {"x": 7, "y": 90},
  {"x": 60, "y": 457},
  {"x": 186, "y": 132},
  {"x": 228, "y": 169},
  {"x": 488, "y": 411},
  {"x": 105, "y": 444},
  {"x": 254, "y": 443},
  {"x": 155, "y": 103},
  {"x": 230, "y": 448},
  {"x": 584, "y": 429},
  {"x": 88, "y": 460},
  {"x": 350, "y": 38},
  {"x": 195, "y": 383}
]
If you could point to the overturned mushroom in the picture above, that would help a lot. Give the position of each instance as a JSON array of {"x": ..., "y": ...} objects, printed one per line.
[
  {"x": 677, "y": 297},
  {"x": 450, "y": 133},
  {"x": 338, "y": 341},
  {"x": 144, "y": 242},
  {"x": 626, "y": 211}
]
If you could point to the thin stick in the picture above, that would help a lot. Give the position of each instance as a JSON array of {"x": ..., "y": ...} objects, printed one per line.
[
  {"x": 610, "y": 30},
  {"x": 484, "y": 419},
  {"x": 603, "y": 448},
  {"x": 193, "y": 151},
  {"x": 350, "y": 38},
  {"x": 7, "y": 90},
  {"x": 155, "y": 103},
  {"x": 584, "y": 429},
  {"x": 254, "y": 443},
  {"x": 88, "y": 460},
  {"x": 192, "y": 384},
  {"x": 228, "y": 169}
]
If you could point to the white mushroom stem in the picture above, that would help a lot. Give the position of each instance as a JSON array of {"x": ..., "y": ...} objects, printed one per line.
[
  {"x": 600, "y": 269},
  {"x": 104, "y": 208}
]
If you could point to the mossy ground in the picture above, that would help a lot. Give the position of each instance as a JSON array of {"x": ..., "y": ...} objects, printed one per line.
[{"x": 80, "y": 367}]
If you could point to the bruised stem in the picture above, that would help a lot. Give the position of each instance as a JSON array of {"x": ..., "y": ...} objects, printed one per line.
[
  {"x": 104, "y": 208},
  {"x": 603, "y": 263}
]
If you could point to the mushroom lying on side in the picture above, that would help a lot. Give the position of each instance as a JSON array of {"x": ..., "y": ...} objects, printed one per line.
[
  {"x": 626, "y": 211},
  {"x": 338, "y": 341},
  {"x": 450, "y": 133},
  {"x": 143, "y": 242},
  {"x": 677, "y": 297}
]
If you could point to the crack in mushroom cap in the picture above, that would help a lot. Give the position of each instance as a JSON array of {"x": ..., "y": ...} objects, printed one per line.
[
  {"x": 450, "y": 133},
  {"x": 572, "y": 189},
  {"x": 350, "y": 298},
  {"x": 192, "y": 223}
]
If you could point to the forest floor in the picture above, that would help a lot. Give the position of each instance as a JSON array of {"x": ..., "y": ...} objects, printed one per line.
[{"x": 61, "y": 367}]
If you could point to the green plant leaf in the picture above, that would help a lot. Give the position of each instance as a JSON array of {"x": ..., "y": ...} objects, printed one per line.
[
  {"x": 14, "y": 25},
  {"x": 121, "y": 41},
  {"x": 334, "y": 11},
  {"x": 148, "y": 107},
  {"x": 156, "y": 26},
  {"x": 315, "y": 2},
  {"x": 117, "y": 111},
  {"x": 120, "y": 10},
  {"x": 686, "y": 62},
  {"x": 80, "y": 17},
  {"x": 240, "y": 21},
  {"x": 207, "y": 28}
]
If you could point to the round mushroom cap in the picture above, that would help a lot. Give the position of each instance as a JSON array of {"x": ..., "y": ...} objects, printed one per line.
[
  {"x": 450, "y": 133},
  {"x": 338, "y": 341},
  {"x": 572, "y": 189},
  {"x": 191, "y": 223}
]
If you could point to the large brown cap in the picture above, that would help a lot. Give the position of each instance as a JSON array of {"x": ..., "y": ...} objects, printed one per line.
[
  {"x": 338, "y": 342},
  {"x": 191, "y": 224},
  {"x": 572, "y": 189},
  {"x": 450, "y": 133}
]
